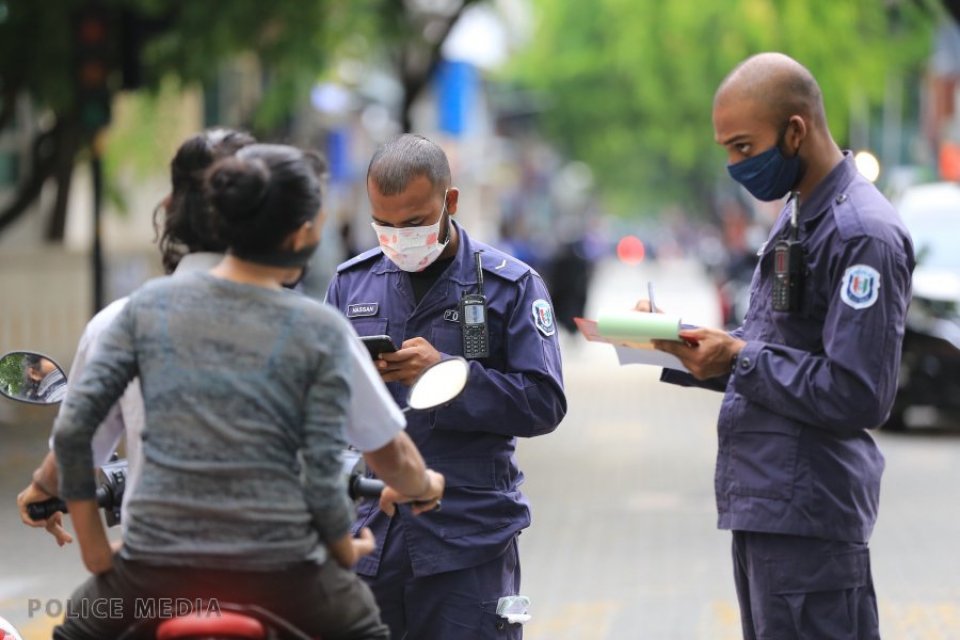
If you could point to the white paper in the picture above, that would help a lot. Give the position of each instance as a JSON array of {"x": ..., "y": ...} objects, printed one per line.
[
  {"x": 629, "y": 352},
  {"x": 652, "y": 357}
]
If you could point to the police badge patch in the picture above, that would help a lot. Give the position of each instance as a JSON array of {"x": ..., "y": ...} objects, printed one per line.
[
  {"x": 543, "y": 317},
  {"x": 860, "y": 287}
]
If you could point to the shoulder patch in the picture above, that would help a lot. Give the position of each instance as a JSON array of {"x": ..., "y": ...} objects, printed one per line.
[
  {"x": 860, "y": 287},
  {"x": 359, "y": 259},
  {"x": 543, "y": 317}
]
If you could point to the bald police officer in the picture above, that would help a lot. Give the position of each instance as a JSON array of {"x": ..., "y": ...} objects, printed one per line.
[
  {"x": 813, "y": 366},
  {"x": 444, "y": 574}
]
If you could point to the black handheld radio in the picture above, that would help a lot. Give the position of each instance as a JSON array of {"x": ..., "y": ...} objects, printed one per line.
[
  {"x": 473, "y": 320},
  {"x": 788, "y": 265}
]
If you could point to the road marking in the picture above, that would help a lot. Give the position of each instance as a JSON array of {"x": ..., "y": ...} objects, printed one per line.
[
  {"x": 920, "y": 620},
  {"x": 576, "y": 621},
  {"x": 721, "y": 621},
  {"x": 40, "y": 628}
]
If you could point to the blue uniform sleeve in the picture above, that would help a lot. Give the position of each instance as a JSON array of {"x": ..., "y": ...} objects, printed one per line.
[
  {"x": 852, "y": 383},
  {"x": 525, "y": 399},
  {"x": 333, "y": 292}
]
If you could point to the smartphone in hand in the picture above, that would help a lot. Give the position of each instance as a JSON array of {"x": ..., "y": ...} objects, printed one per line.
[{"x": 378, "y": 344}]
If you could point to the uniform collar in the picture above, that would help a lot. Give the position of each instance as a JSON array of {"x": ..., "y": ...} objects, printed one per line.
[
  {"x": 830, "y": 187},
  {"x": 464, "y": 268}
]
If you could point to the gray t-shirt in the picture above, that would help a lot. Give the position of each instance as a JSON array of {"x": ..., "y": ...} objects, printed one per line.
[{"x": 246, "y": 392}]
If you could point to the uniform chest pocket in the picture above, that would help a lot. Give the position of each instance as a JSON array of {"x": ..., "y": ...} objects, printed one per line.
[
  {"x": 803, "y": 328},
  {"x": 764, "y": 448},
  {"x": 370, "y": 326},
  {"x": 446, "y": 337}
]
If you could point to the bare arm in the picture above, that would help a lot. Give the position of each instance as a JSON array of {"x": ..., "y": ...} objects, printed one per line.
[
  {"x": 346, "y": 549},
  {"x": 95, "y": 549},
  {"x": 400, "y": 465},
  {"x": 42, "y": 488}
]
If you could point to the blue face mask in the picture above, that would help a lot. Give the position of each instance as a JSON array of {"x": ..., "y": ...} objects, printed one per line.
[{"x": 769, "y": 175}]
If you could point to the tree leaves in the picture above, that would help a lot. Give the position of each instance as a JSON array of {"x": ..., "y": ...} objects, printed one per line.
[{"x": 631, "y": 82}]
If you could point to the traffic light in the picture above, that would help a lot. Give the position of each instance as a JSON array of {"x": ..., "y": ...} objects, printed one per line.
[{"x": 93, "y": 66}]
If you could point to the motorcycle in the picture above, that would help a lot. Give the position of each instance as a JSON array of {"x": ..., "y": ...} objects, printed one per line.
[{"x": 436, "y": 386}]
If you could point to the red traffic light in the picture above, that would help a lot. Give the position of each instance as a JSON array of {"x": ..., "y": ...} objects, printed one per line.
[{"x": 92, "y": 31}]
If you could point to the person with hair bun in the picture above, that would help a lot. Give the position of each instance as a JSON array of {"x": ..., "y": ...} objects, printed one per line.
[{"x": 246, "y": 388}]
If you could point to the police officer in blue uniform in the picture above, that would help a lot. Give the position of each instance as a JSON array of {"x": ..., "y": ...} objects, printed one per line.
[
  {"x": 812, "y": 368},
  {"x": 438, "y": 293}
]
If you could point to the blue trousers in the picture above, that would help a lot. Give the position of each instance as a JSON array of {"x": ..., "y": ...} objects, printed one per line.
[
  {"x": 454, "y": 605},
  {"x": 797, "y": 588}
]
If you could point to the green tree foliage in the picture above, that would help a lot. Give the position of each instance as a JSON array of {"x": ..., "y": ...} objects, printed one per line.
[
  {"x": 630, "y": 83},
  {"x": 184, "y": 42},
  {"x": 183, "y": 39},
  {"x": 11, "y": 373}
]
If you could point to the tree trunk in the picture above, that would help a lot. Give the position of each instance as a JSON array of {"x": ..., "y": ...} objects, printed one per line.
[
  {"x": 63, "y": 174},
  {"x": 43, "y": 162}
]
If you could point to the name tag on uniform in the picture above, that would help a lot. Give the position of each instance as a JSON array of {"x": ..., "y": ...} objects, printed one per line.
[{"x": 362, "y": 309}]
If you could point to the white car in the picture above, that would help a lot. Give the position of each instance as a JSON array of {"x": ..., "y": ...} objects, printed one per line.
[{"x": 930, "y": 367}]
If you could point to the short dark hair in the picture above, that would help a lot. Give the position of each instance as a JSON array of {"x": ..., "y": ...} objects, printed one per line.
[
  {"x": 397, "y": 162},
  {"x": 31, "y": 360},
  {"x": 186, "y": 224},
  {"x": 262, "y": 194}
]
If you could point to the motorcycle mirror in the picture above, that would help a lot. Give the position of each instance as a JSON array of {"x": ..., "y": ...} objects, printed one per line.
[
  {"x": 438, "y": 384},
  {"x": 27, "y": 376}
]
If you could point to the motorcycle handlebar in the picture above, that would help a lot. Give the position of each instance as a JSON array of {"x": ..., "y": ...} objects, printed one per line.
[
  {"x": 45, "y": 509},
  {"x": 361, "y": 487}
]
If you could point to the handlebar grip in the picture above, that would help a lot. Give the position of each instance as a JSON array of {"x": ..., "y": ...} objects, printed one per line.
[
  {"x": 45, "y": 509},
  {"x": 361, "y": 487}
]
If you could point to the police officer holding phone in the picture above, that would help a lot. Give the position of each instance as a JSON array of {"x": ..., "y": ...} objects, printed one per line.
[
  {"x": 436, "y": 292},
  {"x": 812, "y": 368}
]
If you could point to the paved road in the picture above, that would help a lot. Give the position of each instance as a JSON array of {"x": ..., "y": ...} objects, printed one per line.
[{"x": 623, "y": 544}]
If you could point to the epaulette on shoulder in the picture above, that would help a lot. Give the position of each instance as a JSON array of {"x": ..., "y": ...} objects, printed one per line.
[
  {"x": 503, "y": 266},
  {"x": 376, "y": 252}
]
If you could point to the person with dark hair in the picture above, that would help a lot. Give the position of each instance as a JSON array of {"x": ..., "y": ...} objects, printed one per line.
[
  {"x": 246, "y": 388},
  {"x": 812, "y": 368},
  {"x": 186, "y": 226},
  {"x": 45, "y": 381},
  {"x": 186, "y": 243},
  {"x": 437, "y": 292}
]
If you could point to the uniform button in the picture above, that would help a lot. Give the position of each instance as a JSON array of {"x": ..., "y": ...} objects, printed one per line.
[
  {"x": 744, "y": 362},
  {"x": 841, "y": 198}
]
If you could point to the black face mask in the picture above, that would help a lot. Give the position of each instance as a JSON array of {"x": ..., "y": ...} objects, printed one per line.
[
  {"x": 295, "y": 283},
  {"x": 282, "y": 258}
]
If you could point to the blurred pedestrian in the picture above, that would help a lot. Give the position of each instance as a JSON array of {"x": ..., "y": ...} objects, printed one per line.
[
  {"x": 813, "y": 366},
  {"x": 569, "y": 281}
]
